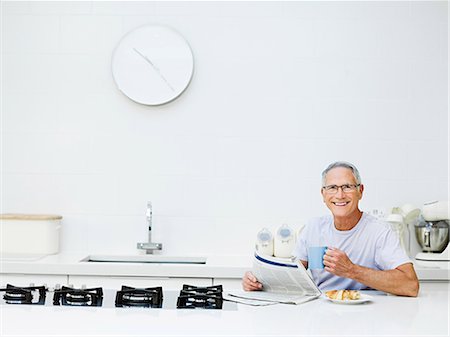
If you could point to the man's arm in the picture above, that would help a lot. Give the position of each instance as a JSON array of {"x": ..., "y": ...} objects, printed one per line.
[{"x": 399, "y": 281}]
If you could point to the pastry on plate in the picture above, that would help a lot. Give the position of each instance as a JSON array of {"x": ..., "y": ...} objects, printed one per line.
[{"x": 343, "y": 294}]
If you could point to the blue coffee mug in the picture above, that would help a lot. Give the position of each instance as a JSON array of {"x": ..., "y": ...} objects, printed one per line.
[{"x": 315, "y": 257}]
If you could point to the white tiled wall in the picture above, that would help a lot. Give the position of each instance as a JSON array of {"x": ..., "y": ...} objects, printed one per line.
[{"x": 280, "y": 90}]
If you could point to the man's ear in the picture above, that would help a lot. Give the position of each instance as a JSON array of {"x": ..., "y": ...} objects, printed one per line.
[{"x": 361, "y": 190}]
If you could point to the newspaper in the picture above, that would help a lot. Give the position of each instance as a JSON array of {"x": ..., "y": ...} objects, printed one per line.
[{"x": 283, "y": 280}]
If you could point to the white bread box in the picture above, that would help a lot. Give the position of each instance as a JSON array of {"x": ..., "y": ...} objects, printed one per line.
[{"x": 30, "y": 233}]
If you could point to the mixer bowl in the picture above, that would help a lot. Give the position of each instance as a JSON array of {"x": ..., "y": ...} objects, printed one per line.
[{"x": 433, "y": 237}]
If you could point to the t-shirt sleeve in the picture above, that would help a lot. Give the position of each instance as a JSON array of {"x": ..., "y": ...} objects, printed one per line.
[
  {"x": 390, "y": 254},
  {"x": 301, "y": 251}
]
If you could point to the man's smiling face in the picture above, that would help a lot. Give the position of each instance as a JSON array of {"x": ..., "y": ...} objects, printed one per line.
[{"x": 342, "y": 204}]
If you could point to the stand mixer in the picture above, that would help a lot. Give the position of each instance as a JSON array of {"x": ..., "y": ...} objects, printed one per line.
[{"x": 432, "y": 232}]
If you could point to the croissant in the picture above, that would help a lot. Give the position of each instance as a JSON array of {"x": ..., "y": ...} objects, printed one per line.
[{"x": 343, "y": 294}]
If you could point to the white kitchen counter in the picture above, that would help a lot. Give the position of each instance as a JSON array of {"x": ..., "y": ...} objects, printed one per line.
[
  {"x": 72, "y": 264},
  {"x": 426, "y": 315},
  {"x": 215, "y": 267}
]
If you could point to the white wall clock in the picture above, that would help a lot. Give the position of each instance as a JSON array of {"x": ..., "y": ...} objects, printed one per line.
[{"x": 152, "y": 65}]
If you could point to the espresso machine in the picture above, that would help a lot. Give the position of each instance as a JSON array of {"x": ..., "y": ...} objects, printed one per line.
[{"x": 432, "y": 232}]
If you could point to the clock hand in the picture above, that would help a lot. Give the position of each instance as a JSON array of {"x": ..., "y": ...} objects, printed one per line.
[{"x": 154, "y": 67}]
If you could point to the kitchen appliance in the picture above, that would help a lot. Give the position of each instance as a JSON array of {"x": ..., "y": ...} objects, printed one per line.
[
  {"x": 432, "y": 232},
  {"x": 190, "y": 297},
  {"x": 436, "y": 210},
  {"x": 401, "y": 218},
  {"x": 29, "y": 234},
  {"x": 433, "y": 237},
  {"x": 400, "y": 228}
]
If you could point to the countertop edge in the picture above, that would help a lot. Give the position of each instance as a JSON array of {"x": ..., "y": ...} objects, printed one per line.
[{"x": 232, "y": 267}]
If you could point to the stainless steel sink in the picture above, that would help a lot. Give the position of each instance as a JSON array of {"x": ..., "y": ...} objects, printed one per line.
[{"x": 145, "y": 259}]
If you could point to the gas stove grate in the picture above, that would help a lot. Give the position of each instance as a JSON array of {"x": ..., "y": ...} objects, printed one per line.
[
  {"x": 192, "y": 297},
  {"x": 78, "y": 297},
  {"x": 24, "y": 295},
  {"x": 139, "y": 297}
]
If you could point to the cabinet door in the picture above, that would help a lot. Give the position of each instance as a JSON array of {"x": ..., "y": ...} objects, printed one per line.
[
  {"x": 113, "y": 282},
  {"x": 25, "y": 280}
]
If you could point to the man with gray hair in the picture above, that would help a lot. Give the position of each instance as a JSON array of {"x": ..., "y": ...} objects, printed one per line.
[{"x": 362, "y": 251}]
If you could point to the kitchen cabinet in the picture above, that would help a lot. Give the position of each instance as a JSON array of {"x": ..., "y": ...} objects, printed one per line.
[
  {"x": 24, "y": 280},
  {"x": 115, "y": 282}
]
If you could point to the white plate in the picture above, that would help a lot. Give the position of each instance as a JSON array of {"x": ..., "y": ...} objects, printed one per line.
[{"x": 363, "y": 299}]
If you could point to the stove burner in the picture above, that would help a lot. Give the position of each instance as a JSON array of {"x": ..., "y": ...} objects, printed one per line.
[
  {"x": 23, "y": 295},
  {"x": 200, "y": 297},
  {"x": 139, "y": 297},
  {"x": 78, "y": 297}
]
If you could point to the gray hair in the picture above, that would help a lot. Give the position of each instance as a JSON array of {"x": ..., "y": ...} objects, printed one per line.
[{"x": 344, "y": 164}]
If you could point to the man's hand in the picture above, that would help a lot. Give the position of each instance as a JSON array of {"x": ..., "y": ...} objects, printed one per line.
[
  {"x": 249, "y": 282},
  {"x": 399, "y": 281},
  {"x": 338, "y": 263}
]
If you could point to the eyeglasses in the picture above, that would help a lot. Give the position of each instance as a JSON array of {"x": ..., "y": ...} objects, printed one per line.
[{"x": 347, "y": 188}]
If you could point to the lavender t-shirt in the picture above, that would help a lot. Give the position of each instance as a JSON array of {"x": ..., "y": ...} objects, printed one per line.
[{"x": 371, "y": 243}]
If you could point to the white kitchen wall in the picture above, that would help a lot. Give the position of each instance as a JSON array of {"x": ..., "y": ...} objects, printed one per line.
[{"x": 280, "y": 90}]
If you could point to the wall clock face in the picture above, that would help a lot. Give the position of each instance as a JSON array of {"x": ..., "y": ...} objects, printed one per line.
[{"x": 152, "y": 65}]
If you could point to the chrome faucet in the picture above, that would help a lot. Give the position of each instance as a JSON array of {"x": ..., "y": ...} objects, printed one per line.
[{"x": 149, "y": 246}]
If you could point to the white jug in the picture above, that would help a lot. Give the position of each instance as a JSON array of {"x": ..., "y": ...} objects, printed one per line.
[
  {"x": 284, "y": 242},
  {"x": 264, "y": 242}
]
